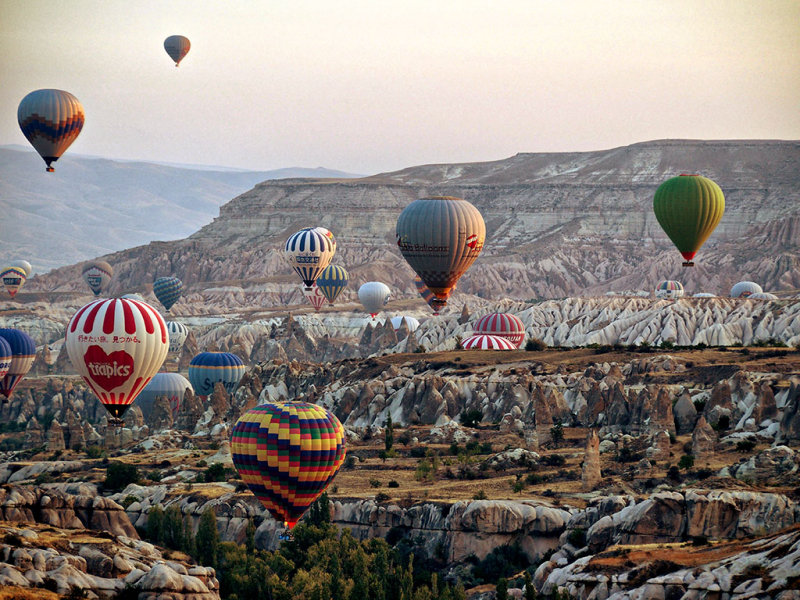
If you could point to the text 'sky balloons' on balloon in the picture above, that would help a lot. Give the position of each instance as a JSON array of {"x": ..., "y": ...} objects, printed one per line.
[
  {"x": 51, "y": 120},
  {"x": 24, "y": 265},
  {"x": 171, "y": 386},
  {"x": 23, "y": 353},
  {"x": 440, "y": 238},
  {"x": 425, "y": 293},
  {"x": 177, "y": 46},
  {"x": 314, "y": 295},
  {"x": 167, "y": 290},
  {"x": 484, "y": 341},
  {"x": 688, "y": 208},
  {"x": 178, "y": 332},
  {"x": 309, "y": 251},
  {"x": 374, "y": 295},
  {"x": 97, "y": 274},
  {"x": 117, "y": 345},
  {"x": 503, "y": 325},
  {"x": 332, "y": 281},
  {"x": 745, "y": 289},
  {"x": 209, "y": 368},
  {"x": 287, "y": 454},
  {"x": 411, "y": 323},
  {"x": 669, "y": 289},
  {"x": 13, "y": 279},
  {"x": 5, "y": 357}
]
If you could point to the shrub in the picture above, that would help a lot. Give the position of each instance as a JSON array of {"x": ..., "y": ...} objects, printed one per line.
[
  {"x": 12, "y": 539},
  {"x": 480, "y": 495},
  {"x": 557, "y": 433},
  {"x": 723, "y": 424},
  {"x": 44, "y": 478},
  {"x": 128, "y": 500},
  {"x": 155, "y": 475},
  {"x": 417, "y": 452},
  {"x": 699, "y": 540},
  {"x": 535, "y": 345},
  {"x": 119, "y": 475},
  {"x": 376, "y": 483},
  {"x": 554, "y": 460},
  {"x": 699, "y": 405},
  {"x": 686, "y": 462},
  {"x": 95, "y": 452},
  {"x": 349, "y": 462},
  {"x": 202, "y": 463},
  {"x": 577, "y": 537},
  {"x": 393, "y": 484},
  {"x": 471, "y": 418},
  {"x": 745, "y": 446},
  {"x": 382, "y": 497},
  {"x": 674, "y": 474},
  {"x": 216, "y": 472}
]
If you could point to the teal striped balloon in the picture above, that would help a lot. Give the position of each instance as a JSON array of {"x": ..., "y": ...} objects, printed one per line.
[
  {"x": 167, "y": 290},
  {"x": 332, "y": 281}
]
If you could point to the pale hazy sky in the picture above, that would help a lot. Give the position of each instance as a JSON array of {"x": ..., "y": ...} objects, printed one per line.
[{"x": 371, "y": 85}]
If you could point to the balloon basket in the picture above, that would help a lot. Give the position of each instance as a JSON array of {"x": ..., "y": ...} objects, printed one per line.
[
  {"x": 116, "y": 423},
  {"x": 286, "y": 535},
  {"x": 688, "y": 263},
  {"x": 50, "y": 169}
]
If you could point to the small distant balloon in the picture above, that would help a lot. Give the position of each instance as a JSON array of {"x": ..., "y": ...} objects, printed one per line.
[
  {"x": 374, "y": 295},
  {"x": 411, "y": 323},
  {"x": 332, "y": 281},
  {"x": 178, "y": 332},
  {"x": 314, "y": 296},
  {"x": 13, "y": 279},
  {"x": 23, "y": 352},
  {"x": 503, "y": 325},
  {"x": 669, "y": 289},
  {"x": 51, "y": 120},
  {"x": 97, "y": 274},
  {"x": 744, "y": 289},
  {"x": 24, "y": 265},
  {"x": 177, "y": 46},
  {"x": 167, "y": 290}
]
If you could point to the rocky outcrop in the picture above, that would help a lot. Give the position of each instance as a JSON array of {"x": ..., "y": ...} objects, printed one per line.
[
  {"x": 704, "y": 440},
  {"x": 590, "y": 470},
  {"x": 779, "y": 465},
  {"x": 685, "y": 414},
  {"x": 55, "y": 437}
]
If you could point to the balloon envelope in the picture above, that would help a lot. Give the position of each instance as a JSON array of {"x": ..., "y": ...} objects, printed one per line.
[
  {"x": 97, "y": 274},
  {"x": 177, "y": 46},
  {"x": 688, "y": 208},
  {"x": 411, "y": 323},
  {"x": 426, "y": 294},
  {"x": 503, "y": 325},
  {"x": 332, "y": 281},
  {"x": 287, "y": 454},
  {"x": 178, "y": 332},
  {"x": 24, "y": 265},
  {"x": 743, "y": 289},
  {"x": 309, "y": 251},
  {"x": 23, "y": 353},
  {"x": 209, "y": 368},
  {"x": 51, "y": 120},
  {"x": 374, "y": 295},
  {"x": 5, "y": 357},
  {"x": 669, "y": 289},
  {"x": 762, "y": 296},
  {"x": 485, "y": 341},
  {"x": 314, "y": 296},
  {"x": 167, "y": 290},
  {"x": 171, "y": 386},
  {"x": 440, "y": 238},
  {"x": 117, "y": 346},
  {"x": 13, "y": 279}
]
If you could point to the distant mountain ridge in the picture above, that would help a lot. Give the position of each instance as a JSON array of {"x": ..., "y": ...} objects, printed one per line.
[
  {"x": 558, "y": 225},
  {"x": 92, "y": 206}
]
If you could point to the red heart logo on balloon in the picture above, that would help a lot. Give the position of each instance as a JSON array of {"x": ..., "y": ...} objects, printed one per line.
[{"x": 108, "y": 371}]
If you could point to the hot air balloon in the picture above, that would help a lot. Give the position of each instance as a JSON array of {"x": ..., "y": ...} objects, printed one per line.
[
  {"x": 117, "y": 346},
  {"x": 6, "y": 355},
  {"x": 669, "y": 289},
  {"x": 374, "y": 295},
  {"x": 309, "y": 251},
  {"x": 315, "y": 296},
  {"x": 51, "y": 120},
  {"x": 287, "y": 454},
  {"x": 171, "y": 386},
  {"x": 178, "y": 332},
  {"x": 503, "y": 325},
  {"x": 411, "y": 323},
  {"x": 332, "y": 281},
  {"x": 13, "y": 278},
  {"x": 762, "y": 296},
  {"x": 24, "y": 265},
  {"x": 688, "y": 208},
  {"x": 440, "y": 238},
  {"x": 177, "y": 46},
  {"x": 485, "y": 341},
  {"x": 167, "y": 290},
  {"x": 743, "y": 289},
  {"x": 426, "y": 294},
  {"x": 704, "y": 295},
  {"x": 23, "y": 353},
  {"x": 134, "y": 296},
  {"x": 97, "y": 274},
  {"x": 209, "y": 368}
]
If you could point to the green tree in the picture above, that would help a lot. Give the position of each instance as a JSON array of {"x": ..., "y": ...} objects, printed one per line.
[
  {"x": 118, "y": 475},
  {"x": 173, "y": 528},
  {"x": 388, "y": 439},
  {"x": 250, "y": 534},
  {"x": 337, "y": 585},
  {"x": 155, "y": 524},
  {"x": 188, "y": 536},
  {"x": 360, "y": 589},
  {"x": 207, "y": 539},
  {"x": 502, "y": 589},
  {"x": 557, "y": 434},
  {"x": 319, "y": 513},
  {"x": 530, "y": 593},
  {"x": 459, "y": 593},
  {"x": 435, "y": 586}
]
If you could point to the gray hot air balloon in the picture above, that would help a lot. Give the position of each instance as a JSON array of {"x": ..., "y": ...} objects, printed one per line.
[
  {"x": 177, "y": 46},
  {"x": 440, "y": 237}
]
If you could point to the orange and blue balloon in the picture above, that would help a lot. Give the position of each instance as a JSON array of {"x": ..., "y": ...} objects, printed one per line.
[{"x": 51, "y": 120}]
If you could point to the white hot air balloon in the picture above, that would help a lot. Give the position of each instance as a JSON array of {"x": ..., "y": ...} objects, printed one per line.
[
  {"x": 762, "y": 296},
  {"x": 24, "y": 265},
  {"x": 743, "y": 289},
  {"x": 178, "y": 332},
  {"x": 411, "y": 323},
  {"x": 374, "y": 295}
]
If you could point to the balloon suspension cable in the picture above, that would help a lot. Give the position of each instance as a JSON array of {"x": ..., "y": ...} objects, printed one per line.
[{"x": 688, "y": 263}]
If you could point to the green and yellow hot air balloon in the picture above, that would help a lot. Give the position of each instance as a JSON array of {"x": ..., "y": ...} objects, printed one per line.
[{"x": 689, "y": 208}]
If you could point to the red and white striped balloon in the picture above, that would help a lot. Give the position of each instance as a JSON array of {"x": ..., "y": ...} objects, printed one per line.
[
  {"x": 503, "y": 325},
  {"x": 314, "y": 295},
  {"x": 484, "y": 341},
  {"x": 117, "y": 345}
]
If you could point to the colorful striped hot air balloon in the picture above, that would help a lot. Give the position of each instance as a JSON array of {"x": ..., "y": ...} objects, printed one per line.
[
  {"x": 167, "y": 290},
  {"x": 178, "y": 332},
  {"x": 23, "y": 353},
  {"x": 287, "y": 454},
  {"x": 484, "y": 341},
  {"x": 309, "y": 251},
  {"x": 503, "y": 325},
  {"x": 426, "y": 294},
  {"x": 171, "y": 386},
  {"x": 440, "y": 238},
  {"x": 209, "y": 368},
  {"x": 6, "y": 355},
  {"x": 314, "y": 295},
  {"x": 97, "y": 274},
  {"x": 332, "y": 281},
  {"x": 117, "y": 346},
  {"x": 51, "y": 120},
  {"x": 177, "y": 46},
  {"x": 669, "y": 289},
  {"x": 13, "y": 278},
  {"x": 688, "y": 208}
]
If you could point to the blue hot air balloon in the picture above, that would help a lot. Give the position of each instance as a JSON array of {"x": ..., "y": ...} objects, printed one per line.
[
  {"x": 23, "y": 353},
  {"x": 332, "y": 281},
  {"x": 167, "y": 290},
  {"x": 208, "y": 368}
]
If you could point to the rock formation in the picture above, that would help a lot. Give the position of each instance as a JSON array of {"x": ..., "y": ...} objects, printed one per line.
[
  {"x": 704, "y": 440},
  {"x": 590, "y": 471}
]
